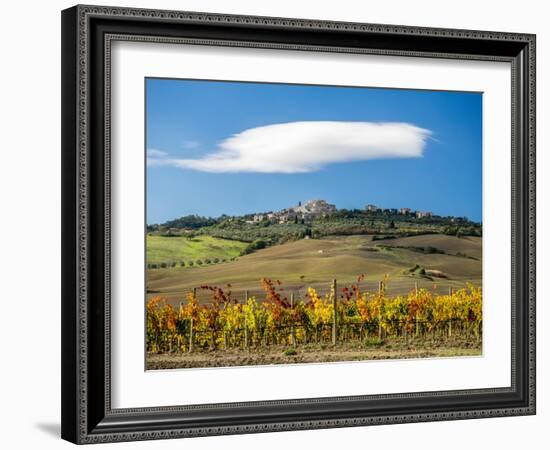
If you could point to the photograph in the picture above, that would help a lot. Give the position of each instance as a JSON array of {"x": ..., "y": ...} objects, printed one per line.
[
  {"x": 293, "y": 224},
  {"x": 273, "y": 222}
]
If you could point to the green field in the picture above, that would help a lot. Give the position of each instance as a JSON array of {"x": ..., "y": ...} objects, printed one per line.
[
  {"x": 162, "y": 249},
  {"x": 315, "y": 262}
]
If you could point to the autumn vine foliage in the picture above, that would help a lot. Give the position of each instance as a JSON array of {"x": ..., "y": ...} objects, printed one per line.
[{"x": 278, "y": 318}]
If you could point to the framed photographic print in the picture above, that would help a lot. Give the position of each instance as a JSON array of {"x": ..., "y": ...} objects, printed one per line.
[{"x": 281, "y": 224}]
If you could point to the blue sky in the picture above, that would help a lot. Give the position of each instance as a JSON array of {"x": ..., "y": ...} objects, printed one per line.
[{"x": 235, "y": 148}]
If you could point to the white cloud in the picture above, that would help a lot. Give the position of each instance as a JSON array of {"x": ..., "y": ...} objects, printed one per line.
[
  {"x": 191, "y": 144},
  {"x": 154, "y": 153},
  {"x": 155, "y": 157},
  {"x": 300, "y": 147}
]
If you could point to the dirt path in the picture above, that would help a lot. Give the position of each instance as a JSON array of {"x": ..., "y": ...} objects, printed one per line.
[{"x": 309, "y": 354}]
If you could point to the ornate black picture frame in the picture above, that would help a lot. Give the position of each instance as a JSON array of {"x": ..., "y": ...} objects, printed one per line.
[{"x": 87, "y": 33}]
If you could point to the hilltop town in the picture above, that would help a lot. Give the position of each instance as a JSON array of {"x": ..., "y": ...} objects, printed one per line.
[
  {"x": 314, "y": 209},
  {"x": 317, "y": 219}
]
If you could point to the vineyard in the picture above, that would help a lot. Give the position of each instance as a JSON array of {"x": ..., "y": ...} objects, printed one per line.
[{"x": 344, "y": 314}]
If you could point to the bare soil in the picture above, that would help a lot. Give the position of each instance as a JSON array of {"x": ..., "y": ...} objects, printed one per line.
[{"x": 314, "y": 353}]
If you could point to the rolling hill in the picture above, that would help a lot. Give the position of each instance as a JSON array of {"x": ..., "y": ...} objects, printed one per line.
[
  {"x": 181, "y": 248},
  {"x": 315, "y": 262}
]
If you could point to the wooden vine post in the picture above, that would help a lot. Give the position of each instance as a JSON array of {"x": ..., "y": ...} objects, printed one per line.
[
  {"x": 191, "y": 335},
  {"x": 245, "y": 324},
  {"x": 292, "y": 331},
  {"x": 191, "y": 324},
  {"x": 380, "y": 310},
  {"x": 416, "y": 300},
  {"x": 451, "y": 319},
  {"x": 334, "y": 315}
]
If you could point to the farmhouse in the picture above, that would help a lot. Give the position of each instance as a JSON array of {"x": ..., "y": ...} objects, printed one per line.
[
  {"x": 421, "y": 214},
  {"x": 285, "y": 216}
]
